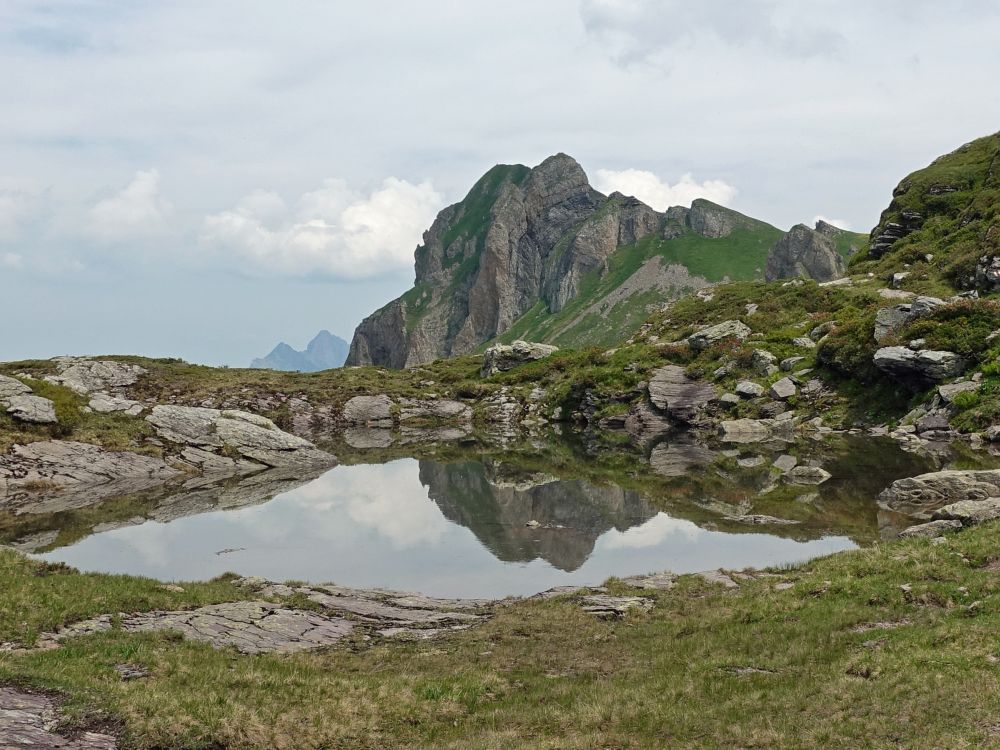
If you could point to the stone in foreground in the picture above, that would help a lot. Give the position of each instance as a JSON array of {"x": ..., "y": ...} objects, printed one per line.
[
  {"x": 970, "y": 512},
  {"x": 27, "y": 721},
  {"x": 503, "y": 357},
  {"x": 33, "y": 409},
  {"x": 919, "y": 496},
  {"x": 930, "y": 529},
  {"x": 250, "y": 627}
]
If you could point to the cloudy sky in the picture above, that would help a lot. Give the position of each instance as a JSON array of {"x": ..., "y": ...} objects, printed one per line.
[{"x": 203, "y": 179}]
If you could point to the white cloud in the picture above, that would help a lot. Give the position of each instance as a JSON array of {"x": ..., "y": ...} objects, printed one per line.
[
  {"x": 659, "y": 194},
  {"x": 840, "y": 223},
  {"x": 332, "y": 231},
  {"x": 11, "y": 260},
  {"x": 138, "y": 211}
]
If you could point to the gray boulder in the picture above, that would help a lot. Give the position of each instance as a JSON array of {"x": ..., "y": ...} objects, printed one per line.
[
  {"x": 745, "y": 431},
  {"x": 682, "y": 398},
  {"x": 249, "y": 435},
  {"x": 919, "y": 496},
  {"x": 34, "y": 409},
  {"x": 804, "y": 252},
  {"x": 788, "y": 364},
  {"x": 434, "y": 409},
  {"x": 920, "y": 366},
  {"x": 369, "y": 411},
  {"x": 949, "y": 391},
  {"x": 970, "y": 512},
  {"x": 749, "y": 389},
  {"x": 12, "y": 387},
  {"x": 763, "y": 362},
  {"x": 105, "y": 403},
  {"x": 729, "y": 329},
  {"x": 503, "y": 357},
  {"x": 930, "y": 529},
  {"x": 783, "y": 389},
  {"x": 889, "y": 319}
]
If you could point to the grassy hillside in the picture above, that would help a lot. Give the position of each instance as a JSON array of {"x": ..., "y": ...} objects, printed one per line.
[{"x": 599, "y": 316}]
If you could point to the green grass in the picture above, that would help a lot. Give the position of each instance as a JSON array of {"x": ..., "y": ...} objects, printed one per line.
[{"x": 543, "y": 674}]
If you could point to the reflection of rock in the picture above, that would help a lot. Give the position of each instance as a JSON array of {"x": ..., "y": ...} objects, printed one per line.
[
  {"x": 44, "y": 516},
  {"x": 368, "y": 437},
  {"x": 497, "y": 512},
  {"x": 675, "y": 459},
  {"x": 55, "y": 464}
]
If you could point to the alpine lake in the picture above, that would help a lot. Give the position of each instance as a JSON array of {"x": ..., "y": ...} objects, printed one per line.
[{"x": 474, "y": 516}]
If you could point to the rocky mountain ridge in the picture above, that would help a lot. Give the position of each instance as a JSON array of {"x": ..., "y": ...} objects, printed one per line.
[{"x": 531, "y": 241}]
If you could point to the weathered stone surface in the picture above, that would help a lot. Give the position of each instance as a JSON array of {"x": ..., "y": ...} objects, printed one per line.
[
  {"x": 804, "y": 342},
  {"x": 249, "y": 435},
  {"x": 783, "y": 389},
  {"x": 889, "y": 319},
  {"x": 804, "y": 252},
  {"x": 30, "y": 408},
  {"x": 924, "y": 365},
  {"x": 704, "y": 338},
  {"x": 749, "y": 389},
  {"x": 653, "y": 581},
  {"x": 615, "y": 607},
  {"x": 369, "y": 411},
  {"x": 763, "y": 362},
  {"x": 28, "y": 721},
  {"x": 949, "y": 391},
  {"x": 919, "y": 496},
  {"x": 11, "y": 387},
  {"x": 434, "y": 409},
  {"x": 930, "y": 529},
  {"x": 785, "y": 463},
  {"x": 86, "y": 376},
  {"x": 788, "y": 364},
  {"x": 251, "y": 627},
  {"x": 645, "y": 423},
  {"x": 682, "y": 398},
  {"x": 970, "y": 512},
  {"x": 807, "y": 475},
  {"x": 368, "y": 437},
  {"x": 106, "y": 403},
  {"x": 503, "y": 357}
]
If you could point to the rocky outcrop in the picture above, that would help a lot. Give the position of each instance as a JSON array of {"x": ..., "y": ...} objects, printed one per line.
[
  {"x": 807, "y": 253},
  {"x": 31, "y": 720},
  {"x": 253, "y": 437},
  {"x": 679, "y": 396},
  {"x": 503, "y": 357},
  {"x": 86, "y": 376},
  {"x": 17, "y": 398},
  {"x": 889, "y": 319},
  {"x": 921, "y": 495},
  {"x": 729, "y": 329},
  {"x": 920, "y": 366}
]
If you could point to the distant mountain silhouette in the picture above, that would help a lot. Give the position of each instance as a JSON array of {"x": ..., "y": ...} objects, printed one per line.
[{"x": 324, "y": 352}]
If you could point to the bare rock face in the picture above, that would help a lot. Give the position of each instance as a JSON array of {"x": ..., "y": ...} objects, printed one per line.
[
  {"x": 87, "y": 376},
  {"x": 919, "y": 366},
  {"x": 503, "y": 357},
  {"x": 807, "y": 253},
  {"x": 679, "y": 396},
  {"x": 29, "y": 720},
  {"x": 34, "y": 409},
  {"x": 251, "y": 436}
]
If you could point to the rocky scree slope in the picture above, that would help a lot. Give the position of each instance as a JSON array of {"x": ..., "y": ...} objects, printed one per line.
[{"x": 539, "y": 254}]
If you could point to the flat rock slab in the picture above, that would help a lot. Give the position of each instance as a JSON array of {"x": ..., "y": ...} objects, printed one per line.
[
  {"x": 250, "y": 627},
  {"x": 919, "y": 496},
  {"x": 27, "y": 720},
  {"x": 610, "y": 607}
]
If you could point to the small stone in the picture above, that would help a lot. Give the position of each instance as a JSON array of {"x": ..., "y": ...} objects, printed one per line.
[
  {"x": 749, "y": 389},
  {"x": 750, "y": 462},
  {"x": 804, "y": 342},
  {"x": 783, "y": 389},
  {"x": 808, "y": 475},
  {"x": 785, "y": 463},
  {"x": 788, "y": 364}
]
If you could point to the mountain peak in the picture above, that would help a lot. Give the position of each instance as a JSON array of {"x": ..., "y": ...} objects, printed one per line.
[{"x": 325, "y": 351}]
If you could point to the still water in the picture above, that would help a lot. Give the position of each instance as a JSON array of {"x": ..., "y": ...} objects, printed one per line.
[{"x": 474, "y": 519}]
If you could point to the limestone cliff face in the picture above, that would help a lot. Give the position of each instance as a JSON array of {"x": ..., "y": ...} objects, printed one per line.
[
  {"x": 805, "y": 252},
  {"x": 522, "y": 236}
]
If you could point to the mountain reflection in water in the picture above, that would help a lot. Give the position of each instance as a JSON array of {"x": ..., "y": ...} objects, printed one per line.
[{"x": 476, "y": 524}]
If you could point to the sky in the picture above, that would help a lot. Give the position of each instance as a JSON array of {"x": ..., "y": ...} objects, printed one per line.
[{"x": 205, "y": 179}]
